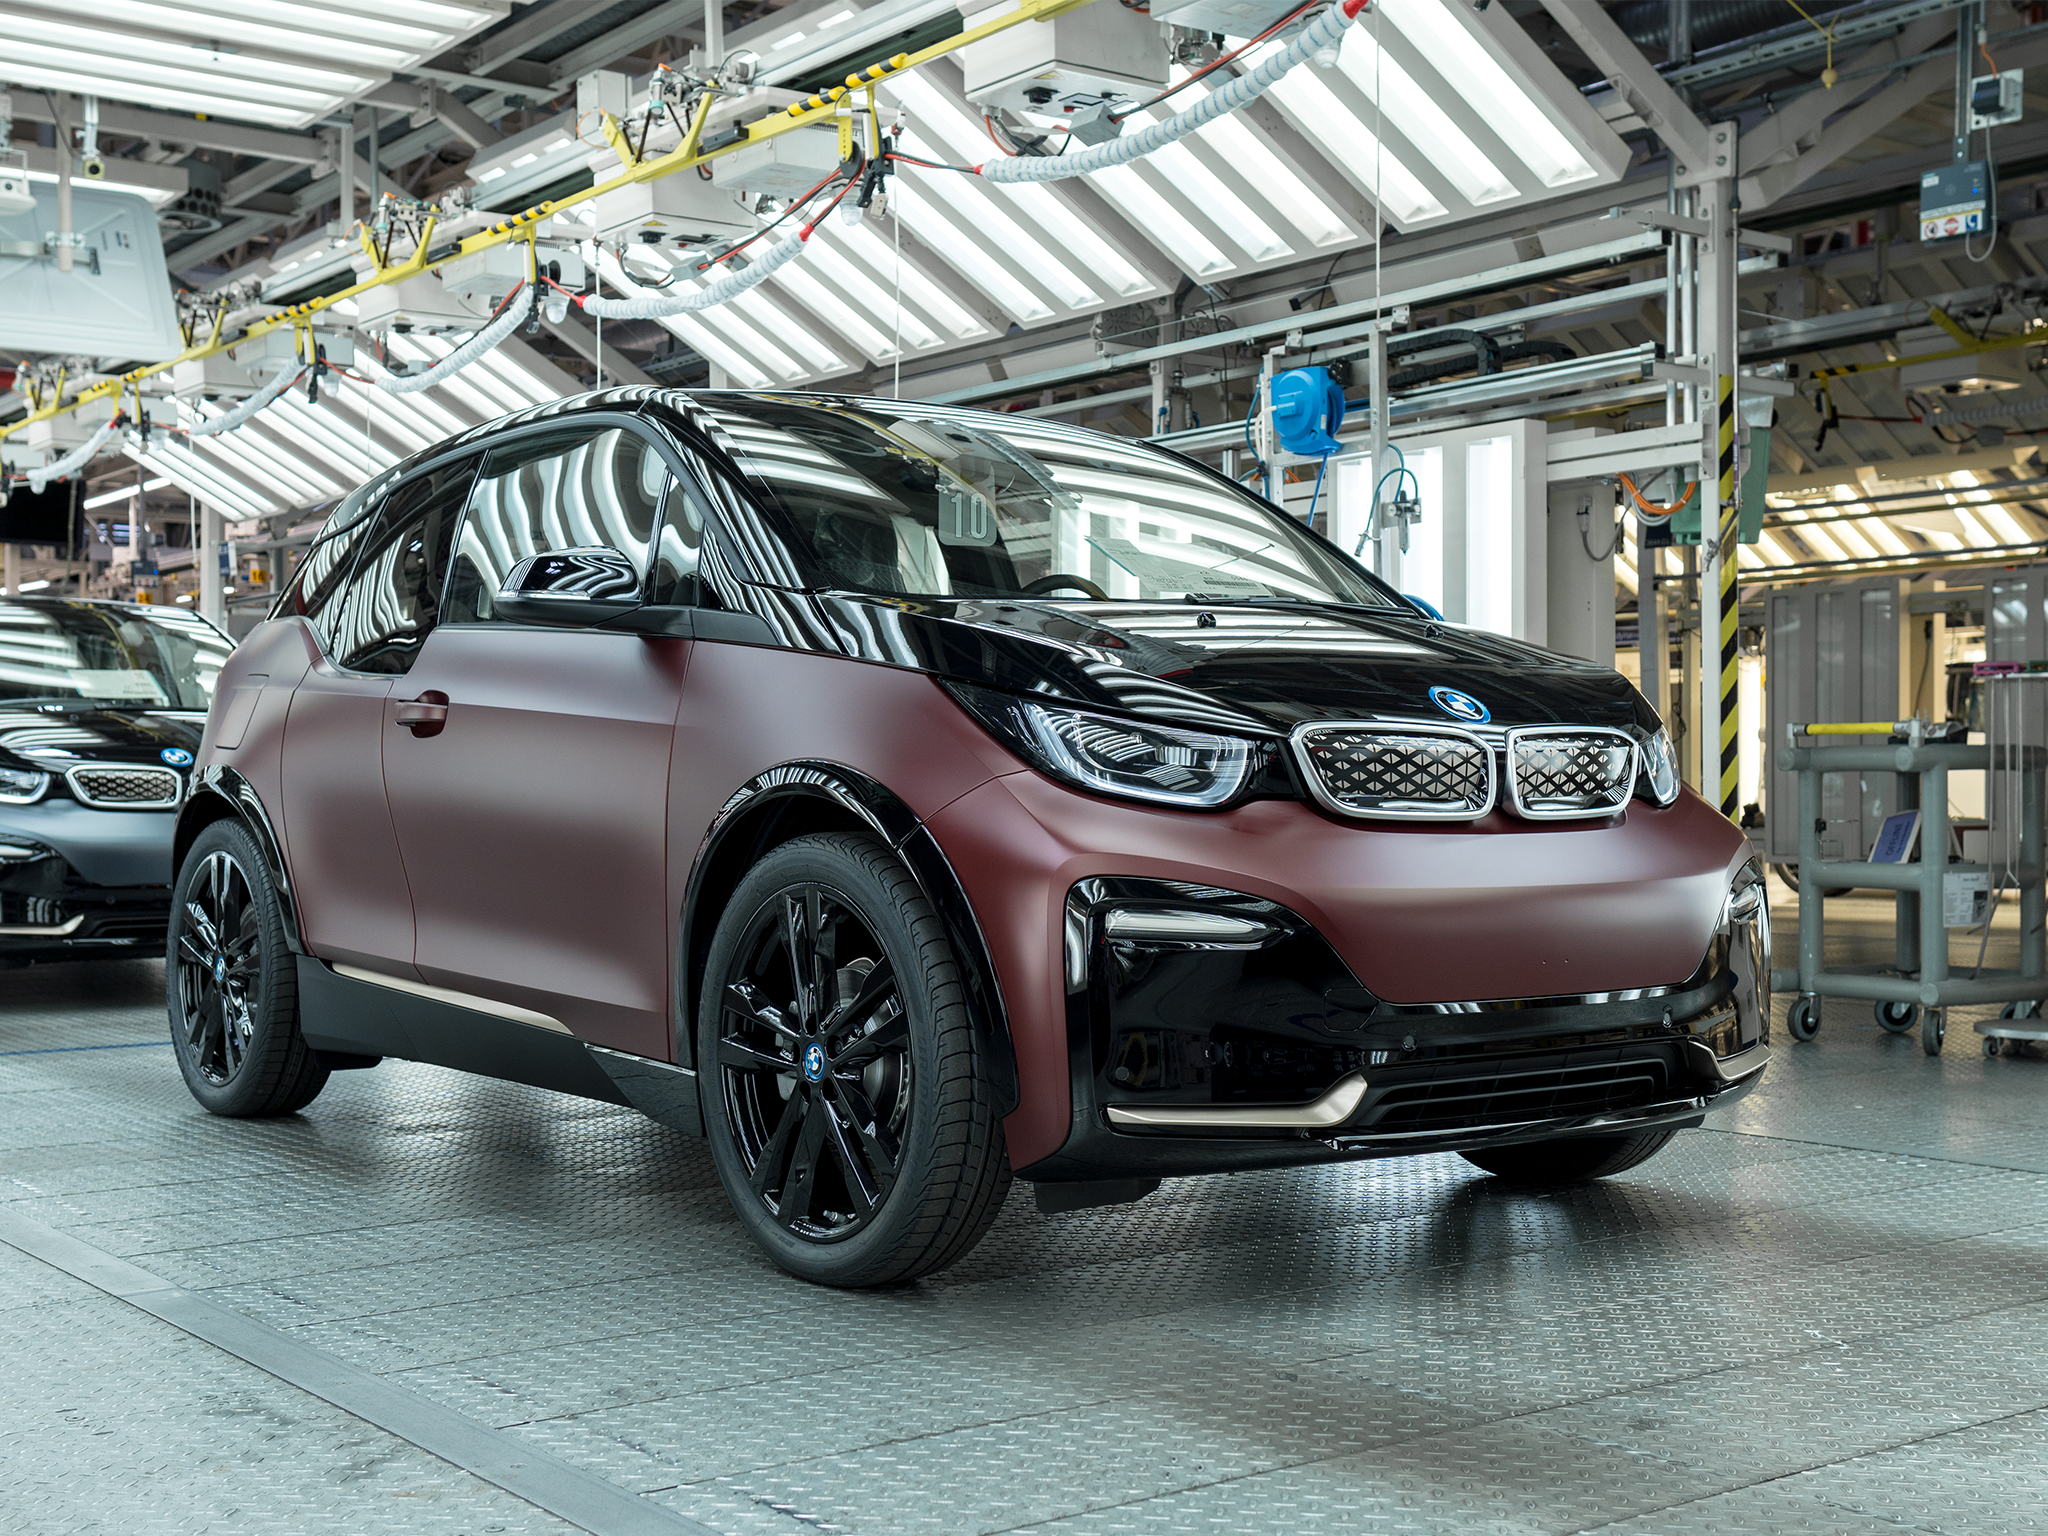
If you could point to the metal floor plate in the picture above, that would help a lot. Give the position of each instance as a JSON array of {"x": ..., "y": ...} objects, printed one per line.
[{"x": 1823, "y": 1313}]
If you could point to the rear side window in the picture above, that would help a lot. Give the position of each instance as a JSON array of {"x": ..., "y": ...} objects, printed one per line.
[
  {"x": 394, "y": 599},
  {"x": 556, "y": 490},
  {"x": 322, "y": 576}
]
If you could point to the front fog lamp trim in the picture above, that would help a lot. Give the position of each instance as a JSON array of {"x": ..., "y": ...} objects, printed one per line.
[
  {"x": 1111, "y": 755},
  {"x": 1206, "y": 930}
]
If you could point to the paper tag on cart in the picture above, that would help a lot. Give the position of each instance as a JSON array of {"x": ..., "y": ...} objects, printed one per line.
[{"x": 1965, "y": 898}]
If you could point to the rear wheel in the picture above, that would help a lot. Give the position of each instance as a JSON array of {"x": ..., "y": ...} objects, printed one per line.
[
  {"x": 233, "y": 994},
  {"x": 1571, "y": 1160},
  {"x": 846, "y": 1106}
]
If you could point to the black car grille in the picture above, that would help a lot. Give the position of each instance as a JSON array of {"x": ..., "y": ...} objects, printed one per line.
[
  {"x": 1560, "y": 773},
  {"x": 1509, "y": 1093},
  {"x": 1404, "y": 774},
  {"x": 125, "y": 788}
]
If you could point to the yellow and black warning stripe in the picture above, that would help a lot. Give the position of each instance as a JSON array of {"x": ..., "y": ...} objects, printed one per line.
[{"x": 1724, "y": 548}]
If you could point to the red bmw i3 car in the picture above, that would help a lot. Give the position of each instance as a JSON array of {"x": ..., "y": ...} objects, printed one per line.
[{"x": 902, "y": 797}]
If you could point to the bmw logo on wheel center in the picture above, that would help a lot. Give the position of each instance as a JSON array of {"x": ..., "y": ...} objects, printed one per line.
[
  {"x": 1460, "y": 706},
  {"x": 177, "y": 757},
  {"x": 814, "y": 1061}
]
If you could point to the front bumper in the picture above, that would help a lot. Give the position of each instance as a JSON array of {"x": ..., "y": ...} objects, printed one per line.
[
  {"x": 1252, "y": 1045},
  {"x": 49, "y": 911}
]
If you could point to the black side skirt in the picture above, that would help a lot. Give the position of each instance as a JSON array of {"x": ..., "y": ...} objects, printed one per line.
[{"x": 358, "y": 1018}]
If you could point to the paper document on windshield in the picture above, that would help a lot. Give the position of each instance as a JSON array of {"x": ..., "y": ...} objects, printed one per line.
[
  {"x": 1162, "y": 574},
  {"x": 118, "y": 683}
]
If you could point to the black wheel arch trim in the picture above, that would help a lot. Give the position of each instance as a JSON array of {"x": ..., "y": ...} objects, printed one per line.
[
  {"x": 751, "y": 808},
  {"x": 219, "y": 793}
]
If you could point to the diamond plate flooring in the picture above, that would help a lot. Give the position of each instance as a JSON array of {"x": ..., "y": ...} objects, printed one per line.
[{"x": 1823, "y": 1313}]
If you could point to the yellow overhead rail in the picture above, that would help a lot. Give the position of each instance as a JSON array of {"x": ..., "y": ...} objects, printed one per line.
[{"x": 822, "y": 107}]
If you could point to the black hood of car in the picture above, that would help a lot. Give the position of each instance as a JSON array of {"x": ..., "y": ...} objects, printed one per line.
[
  {"x": 1239, "y": 666},
  {"x": 56, "y": 734}
]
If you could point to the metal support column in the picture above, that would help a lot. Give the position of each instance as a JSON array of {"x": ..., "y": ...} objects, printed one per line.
[
  {"x": 1387, "y": 563},
  {"x": 207, "y": 533}
]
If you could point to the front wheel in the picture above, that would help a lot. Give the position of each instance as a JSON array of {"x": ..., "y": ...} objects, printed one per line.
[
  {"x": 1571, "y": 1160},
  {"x": 847, "y": 1107},
  {"x": 234, "y": 998}
]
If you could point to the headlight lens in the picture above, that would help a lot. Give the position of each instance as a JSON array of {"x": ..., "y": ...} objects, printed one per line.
[
  {"x": 1114, "y": 756},
  {"x": 22, "y": 786},
  {"x": 1659, "y": 778}
]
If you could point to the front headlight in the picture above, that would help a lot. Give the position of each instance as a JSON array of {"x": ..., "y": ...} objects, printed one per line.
[
  {"x": 22, "y": 786},
  {"x": 1658, "y": 779},
  {"x": 1115, "y": 756}
]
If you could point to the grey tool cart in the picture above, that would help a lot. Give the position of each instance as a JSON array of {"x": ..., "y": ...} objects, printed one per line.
[{"x": 1934, "y": 893}]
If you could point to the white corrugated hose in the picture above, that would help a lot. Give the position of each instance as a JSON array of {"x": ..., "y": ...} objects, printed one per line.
[
  {"x": 227, "y": 421},
  {"x": 516, "y": 311},
  {"x": 76, "y": 459},
  {"x": 1326, "y": 32},
  {"x": 652, "y": 306}
]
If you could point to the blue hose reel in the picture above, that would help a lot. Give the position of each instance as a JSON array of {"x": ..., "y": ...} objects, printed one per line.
[{"x": 1308, "y": 408}]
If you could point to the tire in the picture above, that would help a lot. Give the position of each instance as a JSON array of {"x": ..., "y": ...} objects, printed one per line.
[
  {"x": 1572, "y": 1160},
  {"x": 1896, "y": 1018},
  {"x": 788, "y": 1084},
  {"x": 1933, "y": 1030},
  {"x": 1802, "y": 1019},
  {"x": 232, "y": 990}
]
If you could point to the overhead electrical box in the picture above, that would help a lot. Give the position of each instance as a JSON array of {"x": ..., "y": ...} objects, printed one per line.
[
  {"x": 1974, "y": 373},
  {"x": 1232, "y": 18},
  {"x": 1996, "y": 100},
  {"x": 1097, "y": 54},
  {"x": 788, "y": 165},
  {"x": 683, "y": 210}
]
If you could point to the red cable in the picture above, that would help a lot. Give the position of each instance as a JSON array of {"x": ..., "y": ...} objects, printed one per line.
[{"x": 1216, "y": 64}]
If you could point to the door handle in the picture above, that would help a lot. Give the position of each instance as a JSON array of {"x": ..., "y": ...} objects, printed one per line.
[{"x": 425, "y": 715}]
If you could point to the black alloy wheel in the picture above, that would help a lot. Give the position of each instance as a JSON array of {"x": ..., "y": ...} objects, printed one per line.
[
  {"x": 846, "y": 1108},
  {"x": 814, "y": 1064},
  {"x": 232, "y": 993}
]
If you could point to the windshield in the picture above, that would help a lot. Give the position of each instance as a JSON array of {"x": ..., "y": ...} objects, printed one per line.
[
  {"x": 115, "y": 656},
  {"x": 913, "y": 500}
]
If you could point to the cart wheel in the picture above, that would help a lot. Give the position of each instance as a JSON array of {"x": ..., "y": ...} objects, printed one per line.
[
  {"x": 2020, "y": 1011},
  {"x": 1802, "y": 1019},
  {"x": 1933, "y": 1027},
  {"x": 1897, "y": 1018},
  {"x": 1991, "y": 1044}
]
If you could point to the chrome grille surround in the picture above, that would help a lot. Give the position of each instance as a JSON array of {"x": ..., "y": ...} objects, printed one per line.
[
  {"x": 125, "y": 787},
  {"x": 1568, "y": 772},
  {"x": 1396, "y": 771}
]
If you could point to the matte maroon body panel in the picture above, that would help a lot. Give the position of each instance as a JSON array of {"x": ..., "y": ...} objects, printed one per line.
[
  {"x": 354, "y": 904},
  {"x": 533, "y": 825},
  {"x": 749, "y": 708},
  {"x": 255, "y": 692},
  {"x": 1502, "y": 910}
]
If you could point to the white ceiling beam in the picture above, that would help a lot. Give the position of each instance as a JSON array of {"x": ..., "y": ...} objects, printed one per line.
[
  {"x": 1602, "y": 41},
  {"x": 620, "y": 41},
  {"x": 119, "y": 121},
  {"x": 541, "y": 25},
  {"x": 1795, "y": 127}
]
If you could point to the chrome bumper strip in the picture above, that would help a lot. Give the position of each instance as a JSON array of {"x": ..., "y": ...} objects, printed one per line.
[
  {"x": 30, "y": 931},
  {"x": 448, "y": 995},
  {"x": 1333, "y": 1108},
  {"x": 1727, "y": 1069}
]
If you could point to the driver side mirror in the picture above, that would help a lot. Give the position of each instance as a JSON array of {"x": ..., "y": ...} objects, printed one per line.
[{"x": 572, "y": 588}]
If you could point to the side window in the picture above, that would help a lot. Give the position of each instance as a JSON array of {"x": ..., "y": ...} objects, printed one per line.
[
  {"x": 557, "y": 490},
  {"x": 322, "y": 577},
  {"x": 394, "y": 599},
  {"x": 677, "y": 549}
]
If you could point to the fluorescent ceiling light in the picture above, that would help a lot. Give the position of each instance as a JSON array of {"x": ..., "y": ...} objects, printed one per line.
[
  {"x": 1382, "y": 81},
  {"x": 108, "y": 498},
  {"x": 930, "y": 224},
  {"x": 1391, "y": 184},
  {"x": 31, "y": 586},
  {"x": 1259, "y": 165},
  {"x": 284, "y": 62},
  {"x": 1160, "y": 219},
  {"x": 1487, "y": 88},
  {"x": 1182, "y": 169}
]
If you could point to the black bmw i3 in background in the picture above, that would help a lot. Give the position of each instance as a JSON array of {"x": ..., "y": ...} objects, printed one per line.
[{"x": 101, "y": 710}]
